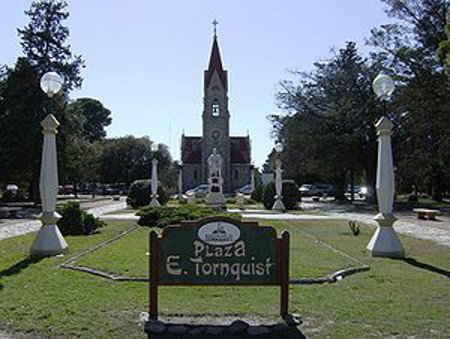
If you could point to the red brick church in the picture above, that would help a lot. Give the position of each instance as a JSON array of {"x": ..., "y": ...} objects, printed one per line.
[{"x": 235, "y": 150}]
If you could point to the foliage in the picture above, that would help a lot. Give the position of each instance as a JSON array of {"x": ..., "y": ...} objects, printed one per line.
[
  {"x": 23, "y": 105},
  {"x": 43, "y": 41},
  {"x": 127, "y": 159},
  {"x": 140, "y": 194},
  {"x": 327, "y": 123},
  {"x": 164, "y": 216},
  {"x": 9, "y": 196},
  {"x": 96, "y": 117},
  {"x": 408, "y": 49},
  {"x": 290, "y": 192},
  {"x": 257, "y": 194},
  {"x": 75, "y": 221},
  {"x": 354, "y": 227}
]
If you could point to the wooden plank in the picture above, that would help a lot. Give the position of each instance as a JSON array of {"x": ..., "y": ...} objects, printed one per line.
[
  {"x": 284, "y": 298},
  {"x": 154, "y": 272}
]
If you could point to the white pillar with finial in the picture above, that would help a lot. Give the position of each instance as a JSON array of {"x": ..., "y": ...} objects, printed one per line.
[
  {"x": 49, "y": 240},
  {"x": 252, "y": 178},
  {"x": 385, "y": 242},
  {"x": 154, "y": 183},
  {"x": 278, "y": 204},
  {"x": 180, "y": 182}
]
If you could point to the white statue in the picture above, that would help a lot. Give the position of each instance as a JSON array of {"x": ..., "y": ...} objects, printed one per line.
[{"x": 215, "y": 164}]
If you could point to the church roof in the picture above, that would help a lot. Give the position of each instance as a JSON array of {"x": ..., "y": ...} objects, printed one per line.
[
  {"x": 191, "y": 150},
  {"x": 240, "y": 150},
  {"x": 215, "y": 65}
]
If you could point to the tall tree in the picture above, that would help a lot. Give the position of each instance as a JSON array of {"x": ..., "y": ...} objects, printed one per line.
[
  {"x": 44, "y": 42},
  {"x": 96, "y": 117},
  {"x": 328, "y": 129},
  {"x": 24, "y": 105},
  {"x": 408, "y": 50}
]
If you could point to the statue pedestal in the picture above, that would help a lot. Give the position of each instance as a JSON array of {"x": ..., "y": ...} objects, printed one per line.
[{"x": 215, "y": 197}]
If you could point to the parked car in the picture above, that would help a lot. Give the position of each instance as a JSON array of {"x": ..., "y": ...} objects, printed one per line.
[
  {"x": 65, "y": 190},
  {"x": 246, "y": 190},
  {"x": 199, "y": 191},
  {"x": 317, "y": 189}
]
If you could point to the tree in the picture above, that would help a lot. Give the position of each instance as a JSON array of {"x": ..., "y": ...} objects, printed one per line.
[
  {"x": 96, "y": 117},
  {"x": 24, "y": 105},
  {"x": 444, "y": 48},
  {"x": 126, "y": 159},
  {"x": 329, "y": 126},
  {"x": 408, "y": 50},
  {"x": 43, "y": 42}
]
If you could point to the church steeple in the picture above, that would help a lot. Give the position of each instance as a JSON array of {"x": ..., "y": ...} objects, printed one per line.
[{"x": 215, "y": 63}]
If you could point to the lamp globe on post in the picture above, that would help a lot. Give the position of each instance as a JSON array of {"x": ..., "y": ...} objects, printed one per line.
[
  {"x": 154, "y": 181},
  {"x": 385, "y": 242},
  {"x": 49, "y": 240},
  {"x": 278, "y": 204}
]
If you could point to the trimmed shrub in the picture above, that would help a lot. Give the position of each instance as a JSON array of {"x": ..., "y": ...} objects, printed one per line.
[
  {"x": 164, "y": 216},
  {"x": 140, "y": 194},
  {"x": 75, "y": 221},
  {"x": 291, "y": 195},
  {"x": 257, "y": 194}
]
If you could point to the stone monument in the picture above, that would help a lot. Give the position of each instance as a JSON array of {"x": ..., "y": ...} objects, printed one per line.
[{"x": 215, "y": 180}]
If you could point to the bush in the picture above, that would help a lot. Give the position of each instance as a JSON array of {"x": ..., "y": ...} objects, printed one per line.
[
  {"x": 257, "y": 194},
  {"x": 413, "y": 198},
  {"x": 291, "y": 195},
  {"x": 75, "y": 221},
  {"x": 231, "y": 201},
  {"x": 140, "y": 194},
  {"x": 9, "y": 196},
  {"x": 164, "y": 216}
]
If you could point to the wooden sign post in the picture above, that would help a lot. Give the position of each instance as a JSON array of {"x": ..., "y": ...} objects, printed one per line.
[{"x": 219, "y": 251}]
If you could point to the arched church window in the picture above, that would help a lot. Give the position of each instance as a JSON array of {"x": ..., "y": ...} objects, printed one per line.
[
  {"x": 236, "y": 175},
  {"x": 195, "y": 175},
  {"x": 215, "y": 107}
]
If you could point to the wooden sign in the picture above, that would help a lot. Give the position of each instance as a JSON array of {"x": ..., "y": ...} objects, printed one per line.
[{"x": 218, "y": 251}]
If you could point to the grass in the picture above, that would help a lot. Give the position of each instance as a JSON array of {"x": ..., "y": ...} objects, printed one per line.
[
  {"x": 396, "y": 298},
  {"x": 127, "y": 257}
]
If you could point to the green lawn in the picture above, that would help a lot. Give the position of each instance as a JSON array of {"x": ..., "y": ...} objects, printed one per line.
[{"x": 395, "y": 298}]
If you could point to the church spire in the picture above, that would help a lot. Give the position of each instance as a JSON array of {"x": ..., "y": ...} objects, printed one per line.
[{"x": 215, "y": 61}]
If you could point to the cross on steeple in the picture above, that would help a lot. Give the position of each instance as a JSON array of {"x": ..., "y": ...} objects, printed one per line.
[{"x": 215, "y": 23}]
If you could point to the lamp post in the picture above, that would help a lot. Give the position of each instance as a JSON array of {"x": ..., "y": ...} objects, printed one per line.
[
  {"x": 49, "y": 240},
  {"x": 385, "y": 242},
  {"x": 278, "y": 204},
  {"x": 154, "y": 181}
]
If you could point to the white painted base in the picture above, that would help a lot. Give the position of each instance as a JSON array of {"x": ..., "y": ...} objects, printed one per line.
[
  {"x": 214, "y": 199},
  {"x": 385, "y": 243},
  {"x": 49, "y": 241},
  {"x": 278, "y": 205},
  {"x": 154, "y": 202}
]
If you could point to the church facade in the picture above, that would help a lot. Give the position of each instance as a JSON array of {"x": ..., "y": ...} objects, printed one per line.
[{"x": 234, "y": 150}]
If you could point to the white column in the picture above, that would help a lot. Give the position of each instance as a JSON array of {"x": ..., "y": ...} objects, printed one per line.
[
  {"x": 278, "y": 204},
  {"x": 252, "y": 178},
  {"x": 385, "y": 242},
  {"x": 180, "y": 183},
  {"x": 49, "y": 240},
  {"x": 154, "y": 183}
]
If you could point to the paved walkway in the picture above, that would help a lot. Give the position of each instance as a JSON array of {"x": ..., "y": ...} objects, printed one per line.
[
  {"x": 408, "y": 224},
  {"x": 13, "y": 228}
]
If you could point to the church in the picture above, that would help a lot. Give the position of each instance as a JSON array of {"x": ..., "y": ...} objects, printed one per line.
[{"x": 234, "y": 150}]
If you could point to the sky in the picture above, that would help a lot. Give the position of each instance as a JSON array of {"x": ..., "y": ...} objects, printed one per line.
[{"x": 145, "y": 58}]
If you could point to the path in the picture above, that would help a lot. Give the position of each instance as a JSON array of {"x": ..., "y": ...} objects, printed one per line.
[
  {"x": 408, "y": 224},
  {"x": 437, "y": 231},
  {"x": 13, "y": 228}
]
